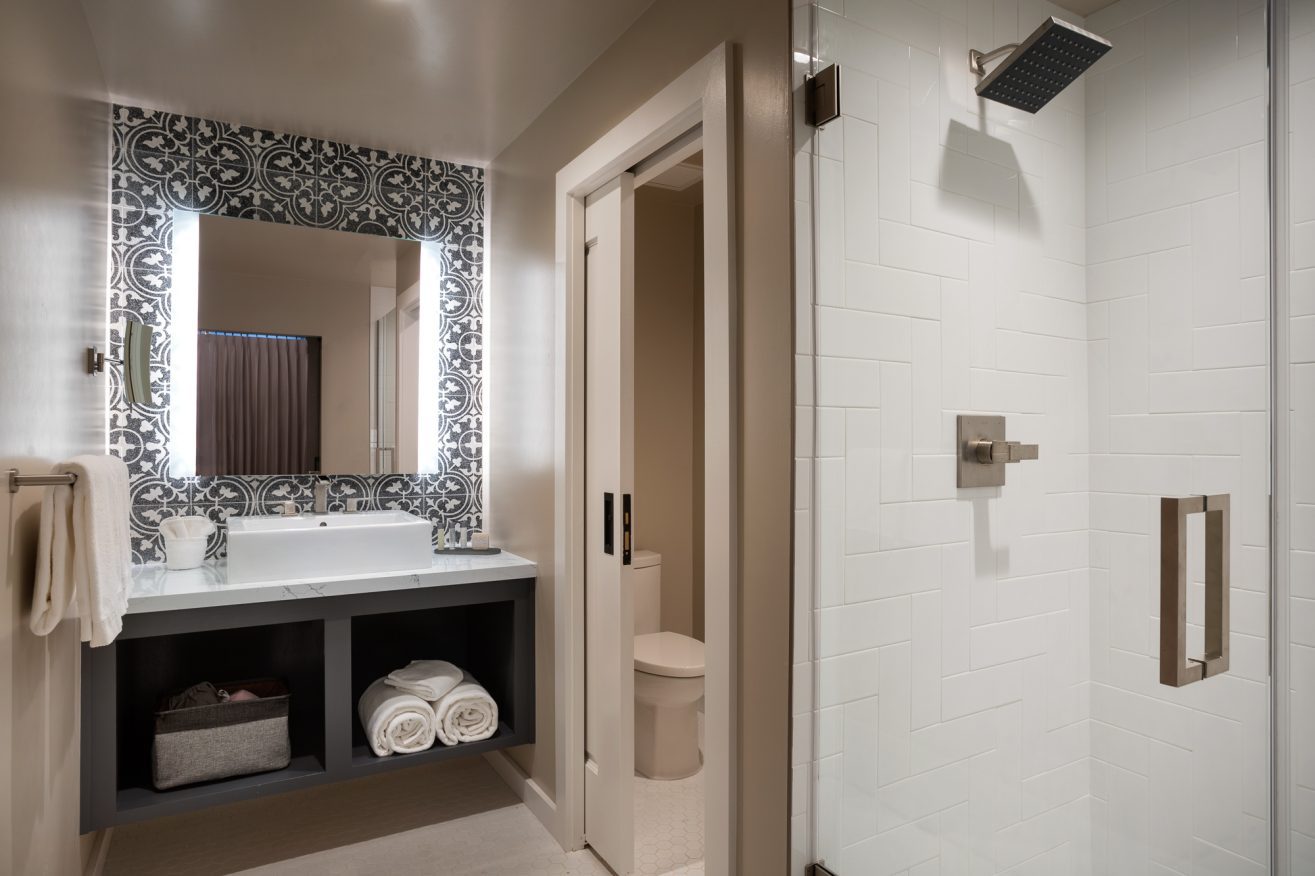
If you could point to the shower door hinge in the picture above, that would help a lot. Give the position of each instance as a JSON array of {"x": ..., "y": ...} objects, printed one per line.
[
  {"x": 819, "y": 870},
  {"x": 822, "y": 96}
]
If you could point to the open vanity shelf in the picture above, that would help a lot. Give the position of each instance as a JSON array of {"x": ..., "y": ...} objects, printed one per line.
[{"x": 328, "y": 649}]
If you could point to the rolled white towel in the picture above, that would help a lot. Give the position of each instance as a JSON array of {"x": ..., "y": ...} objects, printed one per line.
[
  {"x": 466, "y": 714},
  {"x": 428, "y": 679},
  {"x": 395, "y": 722}
]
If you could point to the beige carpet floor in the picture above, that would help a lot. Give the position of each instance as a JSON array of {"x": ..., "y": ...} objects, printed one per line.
[{"x": 454, "y": 818}]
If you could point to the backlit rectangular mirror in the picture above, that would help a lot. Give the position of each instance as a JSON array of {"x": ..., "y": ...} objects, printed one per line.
[{"x": 307, "y": 346}]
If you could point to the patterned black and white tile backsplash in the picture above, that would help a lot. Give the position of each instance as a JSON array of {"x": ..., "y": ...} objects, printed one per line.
[{"x": 163, "y": 162}]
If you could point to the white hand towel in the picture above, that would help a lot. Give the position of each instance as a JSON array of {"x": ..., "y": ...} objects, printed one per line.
[
  {"x": 428, "y": 679},
  {"x": 395, "y": 722},
  {"x": 185, "y": 528},
  {"x": 84, "y": 559},
  {"x": 466, "y": 714}
]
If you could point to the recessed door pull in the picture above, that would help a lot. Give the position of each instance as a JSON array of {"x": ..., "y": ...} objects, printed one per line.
[
  {"x": 984, "y": 452},
  {"x": 626, "y": 547},
  {"x": 609, "y": 524}
]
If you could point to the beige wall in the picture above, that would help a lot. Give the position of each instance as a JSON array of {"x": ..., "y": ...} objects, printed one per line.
[
  {"x": 54, "y": 152},
  {"x": 670, "y": 37},
  {"x": 339, "y": 314},
  {"x": 669, "y": 395}
]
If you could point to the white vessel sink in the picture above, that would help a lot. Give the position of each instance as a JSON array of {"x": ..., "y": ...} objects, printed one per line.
[{"x": 327, "y": 545}]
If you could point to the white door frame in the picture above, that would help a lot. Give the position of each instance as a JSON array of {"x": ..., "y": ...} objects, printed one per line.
[{"x": 700, "y": 96}]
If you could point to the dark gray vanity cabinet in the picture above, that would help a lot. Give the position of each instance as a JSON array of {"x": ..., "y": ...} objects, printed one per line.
[{"x": 328, "y": 650}]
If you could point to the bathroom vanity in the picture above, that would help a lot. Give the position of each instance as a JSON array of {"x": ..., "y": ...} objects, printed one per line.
[{"x": 328, "y": 638}]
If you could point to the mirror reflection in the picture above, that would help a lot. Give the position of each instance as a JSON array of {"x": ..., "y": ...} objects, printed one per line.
[
  {"x": 137, "y": 363},
  {"x": 306, "y": 350}
]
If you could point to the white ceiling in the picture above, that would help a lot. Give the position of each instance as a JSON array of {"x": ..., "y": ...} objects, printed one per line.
[
  {"x": 1084, "y": 7},
  {"x": 455, "y": 79},
  {"x": 680, "y": 177}
]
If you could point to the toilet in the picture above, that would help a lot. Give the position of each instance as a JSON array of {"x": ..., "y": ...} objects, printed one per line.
[{"x": 668, "y": 682}]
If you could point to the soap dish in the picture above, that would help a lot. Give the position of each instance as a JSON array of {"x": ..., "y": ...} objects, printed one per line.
[{"x": 464, "y": 551}]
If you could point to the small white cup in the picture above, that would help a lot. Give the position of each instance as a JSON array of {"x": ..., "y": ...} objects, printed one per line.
[{"x": 184, "y": 553}]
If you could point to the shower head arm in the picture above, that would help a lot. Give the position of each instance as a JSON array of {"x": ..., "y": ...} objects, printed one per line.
[{"x": 977, "y": 61}]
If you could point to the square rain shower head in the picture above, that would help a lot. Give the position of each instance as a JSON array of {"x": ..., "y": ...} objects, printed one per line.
[{"x": 1043, "y": 65}]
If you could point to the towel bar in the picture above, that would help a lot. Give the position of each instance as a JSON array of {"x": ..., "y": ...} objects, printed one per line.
[{"x": 17, "y": 480}]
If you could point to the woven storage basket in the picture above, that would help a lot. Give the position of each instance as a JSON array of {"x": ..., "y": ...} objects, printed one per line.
[{"x": 204, "y": 743}]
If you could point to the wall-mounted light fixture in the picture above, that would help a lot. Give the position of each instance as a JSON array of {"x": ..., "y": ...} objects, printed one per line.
[{"x": 185, "y": 305}]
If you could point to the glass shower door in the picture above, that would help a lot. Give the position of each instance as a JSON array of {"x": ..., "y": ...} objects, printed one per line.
[{"x": 1067, "y": 672}]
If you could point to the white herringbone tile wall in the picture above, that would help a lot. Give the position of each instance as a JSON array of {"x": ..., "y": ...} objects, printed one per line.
[
  {"x": 1301, "y": 348},
  {"x": 1177, "y": 318},
  {"x": 976, "y": 670},
  {"x": 951, "y": 626}
]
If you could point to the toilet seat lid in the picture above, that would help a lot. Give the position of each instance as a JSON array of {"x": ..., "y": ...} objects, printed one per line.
[{"x": 669, "y": 654}]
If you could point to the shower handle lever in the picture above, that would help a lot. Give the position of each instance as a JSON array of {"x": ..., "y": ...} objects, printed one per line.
[
  {"x": 984, "y": 451},
  {"x": 992, "y": 452}
]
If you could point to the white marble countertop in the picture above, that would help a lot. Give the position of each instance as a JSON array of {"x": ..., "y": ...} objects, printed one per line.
[{"x": 155, "y": 588}]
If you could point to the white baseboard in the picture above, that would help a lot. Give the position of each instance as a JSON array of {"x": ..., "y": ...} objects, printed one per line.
[
  {"x": 527, "y": 790},
  {"x": 100, "y": 850}
]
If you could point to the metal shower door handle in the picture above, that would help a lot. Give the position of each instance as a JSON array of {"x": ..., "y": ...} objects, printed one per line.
[{"x": 1176, "y": 668}]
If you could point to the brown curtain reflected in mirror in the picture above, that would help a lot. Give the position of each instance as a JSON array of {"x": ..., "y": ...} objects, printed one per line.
[{"x": 258, "y": 404}]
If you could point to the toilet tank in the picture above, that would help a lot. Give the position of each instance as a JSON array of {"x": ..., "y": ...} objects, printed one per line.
[{"x": 646, "y": 577}]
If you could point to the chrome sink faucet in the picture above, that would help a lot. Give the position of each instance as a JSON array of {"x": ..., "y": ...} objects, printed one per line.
[{"x": 321, "y": 489}]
